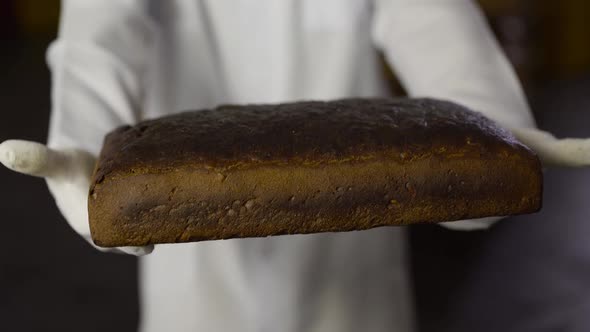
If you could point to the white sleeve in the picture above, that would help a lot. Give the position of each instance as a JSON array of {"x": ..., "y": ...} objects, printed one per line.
[
  {"x": 98, "y": 65},
  {"x": 444, "y": 49}
]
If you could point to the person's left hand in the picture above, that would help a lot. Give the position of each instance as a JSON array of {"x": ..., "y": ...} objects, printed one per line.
[{"x": 568, "y": 152}]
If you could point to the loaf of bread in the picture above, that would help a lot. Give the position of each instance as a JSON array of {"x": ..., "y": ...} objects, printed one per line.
[{"x": 306, "y": 167}]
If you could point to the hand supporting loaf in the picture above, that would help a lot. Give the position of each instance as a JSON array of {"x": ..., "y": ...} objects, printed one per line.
[
  {"x": 67, "y": 174},
  {"x": 569, "y": 152},
  {"x": 566, "y": 152}
]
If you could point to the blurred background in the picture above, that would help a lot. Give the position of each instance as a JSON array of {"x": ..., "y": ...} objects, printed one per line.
[{"x": 529, "y": 273}]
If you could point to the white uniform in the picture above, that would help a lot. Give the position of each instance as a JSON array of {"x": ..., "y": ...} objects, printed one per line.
[{"x": 118, "y": 62}]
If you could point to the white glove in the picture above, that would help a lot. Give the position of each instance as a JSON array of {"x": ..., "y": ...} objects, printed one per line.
[
  {"x": 570, "y": 152},
  {"x": 68, "y": 174}
]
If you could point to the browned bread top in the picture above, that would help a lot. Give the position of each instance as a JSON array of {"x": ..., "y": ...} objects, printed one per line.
[{"x": 307, "y": 133}]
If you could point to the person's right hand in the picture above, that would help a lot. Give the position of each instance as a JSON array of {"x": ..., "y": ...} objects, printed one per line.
[{"x": 68, "y": 174}]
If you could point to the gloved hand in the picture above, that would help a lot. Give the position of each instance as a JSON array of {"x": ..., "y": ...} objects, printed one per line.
[
  {"x": 568, "y": 152},
  {"x": 571, "y": 152},
  {"x": 67, "y": 173}
]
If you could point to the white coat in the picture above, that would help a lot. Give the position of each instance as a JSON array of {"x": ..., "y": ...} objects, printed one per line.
[{"x": 118, "y": 62}]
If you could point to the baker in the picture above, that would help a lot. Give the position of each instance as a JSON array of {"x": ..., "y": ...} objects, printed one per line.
[{"x": 119, "y": 62}]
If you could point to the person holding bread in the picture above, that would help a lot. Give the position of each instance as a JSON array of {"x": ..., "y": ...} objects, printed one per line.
[{"x": 121, "y": 62}]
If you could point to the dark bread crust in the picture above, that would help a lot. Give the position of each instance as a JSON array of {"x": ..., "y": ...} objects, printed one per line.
[{"x": 259, "y": 170}]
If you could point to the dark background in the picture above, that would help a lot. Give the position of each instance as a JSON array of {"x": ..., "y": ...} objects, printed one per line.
[{"x": 529, "y": 273}]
